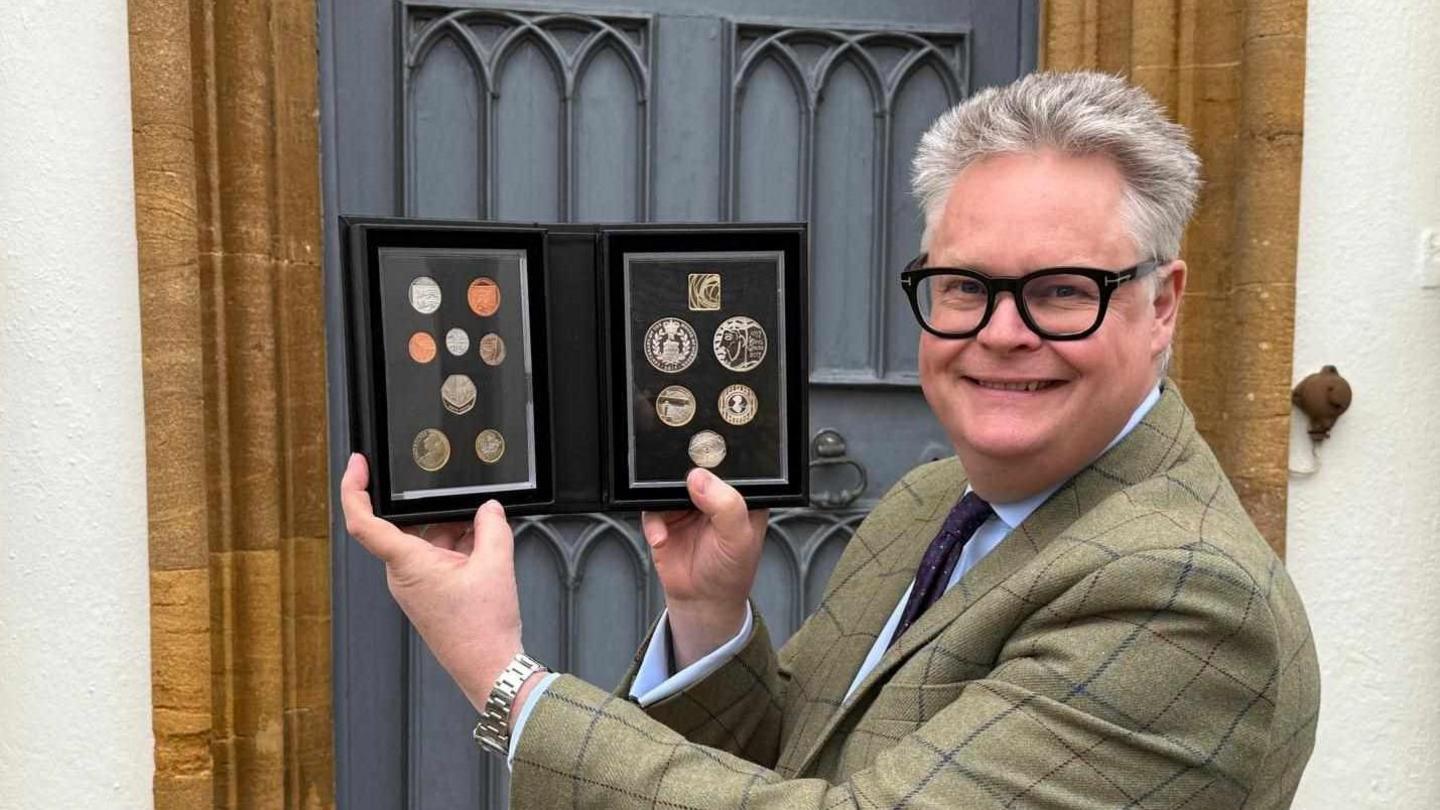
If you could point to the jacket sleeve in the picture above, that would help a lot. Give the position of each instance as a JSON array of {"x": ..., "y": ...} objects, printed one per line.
[{"x": 1150, "y": 683}]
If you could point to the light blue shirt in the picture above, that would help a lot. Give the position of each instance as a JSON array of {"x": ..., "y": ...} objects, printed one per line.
[{"x": 653, "y": 682}]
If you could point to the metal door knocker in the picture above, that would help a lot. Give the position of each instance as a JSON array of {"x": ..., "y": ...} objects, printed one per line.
[{"x": 827, "y": 449}]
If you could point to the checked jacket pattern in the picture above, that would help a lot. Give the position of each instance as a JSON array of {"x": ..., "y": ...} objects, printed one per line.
[{"x": 1134, "y": 643}]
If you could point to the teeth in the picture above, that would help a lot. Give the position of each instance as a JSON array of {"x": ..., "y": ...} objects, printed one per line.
[{"x": 1018, "y": 386}]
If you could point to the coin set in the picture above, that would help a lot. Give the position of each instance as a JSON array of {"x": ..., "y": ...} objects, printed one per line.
[{"x": 432, "y": 449}]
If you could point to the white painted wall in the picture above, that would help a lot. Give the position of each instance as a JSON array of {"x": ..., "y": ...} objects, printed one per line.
[
  {"x": 74, "y": 599},
  {"x": 1364, "y": 532}
]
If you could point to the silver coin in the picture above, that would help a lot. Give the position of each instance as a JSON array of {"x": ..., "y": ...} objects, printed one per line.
[
  {"x": 492, "y": 349},
  {"x": 707, "y": 449},
  {"x": 458, "y": 393},
  {"x": 671, "y": 345},
  {"x": 740, "y": 343},
  {"x": 704, "y": 292},
  {"x": 675, "y": 405},
  {"x": 457, "y": 342},
  {"x": 738, "y": 404},
  {"x": 430, "y": 449},
  {"x": 489, "y": 445},
  {"x": 424, "y": 295}
]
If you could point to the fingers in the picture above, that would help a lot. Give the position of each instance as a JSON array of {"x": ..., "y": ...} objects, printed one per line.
[
  {"x": 492, "y": 534},
  {"x": 379, "y": 537},
  {"x": 720, "y": 502}
]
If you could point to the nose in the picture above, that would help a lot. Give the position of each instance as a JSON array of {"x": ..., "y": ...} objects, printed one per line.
[{"x": 1006, "y": 330}]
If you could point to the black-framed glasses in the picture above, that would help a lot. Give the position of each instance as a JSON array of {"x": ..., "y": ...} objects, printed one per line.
[{"x": 1057, "y": 303}]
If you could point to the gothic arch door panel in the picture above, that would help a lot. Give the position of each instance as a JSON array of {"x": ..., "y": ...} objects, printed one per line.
[{"x": 667, "y": 110}]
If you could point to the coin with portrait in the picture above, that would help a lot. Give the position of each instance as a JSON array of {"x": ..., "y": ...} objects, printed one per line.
[
  {"x": 671, "y": 345},
  {"x": 707, "y": 449},
  {"x": 738, "y": 404},
  {"x": 489, "y": 445},
  {"x": 422, "y": 347},
  {"x": 739, "y": 343},
  {"x": 483, "y": 296},
  {"x": 424, "y": 295},
  {"x": 431, "y": 450},
  {"x": 457, "y": 342},
  {"x": 492, "y": 349},
  {"x": 675, "y": 405},
  {"x": 458, "y": 393}
]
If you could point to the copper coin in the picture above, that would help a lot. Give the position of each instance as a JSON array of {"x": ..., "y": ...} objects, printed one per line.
[
  {"x": 492, "y": 349},
  {"x": 489, "y": 445},
  {"x": 422, "y": 347},
  {"x": 484, "y": 296},
  {"x": 430, "y": 450}
]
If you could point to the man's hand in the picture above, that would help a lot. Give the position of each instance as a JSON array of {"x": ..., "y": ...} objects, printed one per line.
[
  {"x": 456, "y": 583},
  {"x": 706, "y": 560}
]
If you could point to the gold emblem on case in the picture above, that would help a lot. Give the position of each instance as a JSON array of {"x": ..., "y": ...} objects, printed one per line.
[
  {"x": 704, "y": 292},
  {"x": 431, "y": 450},
  {"x": 458, "y": 394},
  {"x": 489, "y": 445}
]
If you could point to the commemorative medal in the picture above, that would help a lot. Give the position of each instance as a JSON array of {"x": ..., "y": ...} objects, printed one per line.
[
  {"x": 492, "y": 349},
  {"x": 704, "y": 292},
  {"x": 675, "y": 405},
  {"x": 489, "y": 445},
  {"x": 457, "y": 342},
  {"x": 737, "y": 404},
  {"x": 458, "y": 394},
  {"x": 707, "y": 449},
  {"x": 424, "y": 295},
  {"x": 430, "y": 450},
  {"x": 670, "y": 345},
  {"x": 483, "y": 296},
  {"x": 739, "y": 343},
  {"x": 422, "y": 347}
]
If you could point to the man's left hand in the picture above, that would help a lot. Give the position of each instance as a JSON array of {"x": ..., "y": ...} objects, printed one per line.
[{"x": 456, "y": 583}]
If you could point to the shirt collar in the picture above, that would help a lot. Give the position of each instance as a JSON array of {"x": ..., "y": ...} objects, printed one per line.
[{"x": 1012, "y": 514}]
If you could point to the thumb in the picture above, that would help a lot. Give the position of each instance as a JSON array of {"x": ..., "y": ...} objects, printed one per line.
[
  {"x": 720, "y": 503},
  {"x": 492, "y": 534}
]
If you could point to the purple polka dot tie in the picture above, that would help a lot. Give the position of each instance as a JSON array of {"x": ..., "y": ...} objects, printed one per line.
[{"x": 941, "y": 557}]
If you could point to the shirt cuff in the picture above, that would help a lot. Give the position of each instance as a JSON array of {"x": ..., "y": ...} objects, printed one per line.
[
  {"x": 525, "y": 714},
  {"x": 653, "y": 682}
]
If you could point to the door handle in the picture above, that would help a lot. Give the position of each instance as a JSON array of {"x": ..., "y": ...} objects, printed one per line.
[{"x": 827, "y": 449}]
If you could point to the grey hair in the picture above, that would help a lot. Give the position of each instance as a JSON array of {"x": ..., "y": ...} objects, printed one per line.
[{"x": 1079, "y": 113}]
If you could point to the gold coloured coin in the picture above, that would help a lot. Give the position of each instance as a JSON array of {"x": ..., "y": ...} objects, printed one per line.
[
  {"x": 489, "y": 445},
  {"x": 671, "y": 345},
  {"x": 707, "y": 449},
  {"x": 458, "y": 393},
  {"x": 704, "y": 292},
  {"x": 739, "y": 343},
  {"x": 492, "y": 349},
  {"x": 457, "y": 342},
  {"x": 484, "y": 296},
  {"x": 738, "y": 404},
  {"x": 422, "y": 347},
  {"x": 675, "y": 405},
  {"x": 431, "y": 450},
  {"x": 424, "y": 295}
]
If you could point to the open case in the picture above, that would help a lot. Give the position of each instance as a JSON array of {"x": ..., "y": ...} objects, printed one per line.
[{"x": 575, "y": 367}]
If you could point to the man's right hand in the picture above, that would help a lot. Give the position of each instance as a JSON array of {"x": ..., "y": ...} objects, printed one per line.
[{"x": 706, "y": 561}]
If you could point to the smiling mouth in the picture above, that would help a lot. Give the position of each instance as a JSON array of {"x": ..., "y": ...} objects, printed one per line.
[{"x": 1028, "y": 385}]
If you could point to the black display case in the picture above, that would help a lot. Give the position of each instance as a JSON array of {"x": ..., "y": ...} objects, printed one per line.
[{"x": 575, "y": 367}]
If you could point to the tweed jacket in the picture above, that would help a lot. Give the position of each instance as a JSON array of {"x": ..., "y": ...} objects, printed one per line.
[{"x": 1134, "y": 643}]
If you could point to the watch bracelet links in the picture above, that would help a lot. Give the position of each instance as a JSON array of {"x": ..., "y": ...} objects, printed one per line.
[{"x": 492, "y": 732}]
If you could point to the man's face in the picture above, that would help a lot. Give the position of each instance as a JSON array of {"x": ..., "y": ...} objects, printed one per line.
[{"x": 1007, "y": 216}]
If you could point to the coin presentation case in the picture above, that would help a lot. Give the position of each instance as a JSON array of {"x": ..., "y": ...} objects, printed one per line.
[{"x": 574, "y": 367}]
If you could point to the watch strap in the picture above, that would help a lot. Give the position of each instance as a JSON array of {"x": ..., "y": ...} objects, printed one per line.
[{"x": 493, "y": 731}]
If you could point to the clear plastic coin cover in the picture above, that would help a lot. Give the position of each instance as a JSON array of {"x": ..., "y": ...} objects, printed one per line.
[
  {"x": 460, "y": 410},
  {"x": 705, "y": 364}
]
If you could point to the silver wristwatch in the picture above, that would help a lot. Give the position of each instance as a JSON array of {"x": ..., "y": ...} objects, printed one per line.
[{"x": 493, "y": 731}]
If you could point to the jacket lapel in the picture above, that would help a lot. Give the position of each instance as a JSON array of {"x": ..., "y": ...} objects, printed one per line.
[{"x": 1155, "y": 444}]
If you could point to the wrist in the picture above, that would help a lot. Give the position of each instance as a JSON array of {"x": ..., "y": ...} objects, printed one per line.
[
  {"x": 696, "y": 629},
  {"x": 523, "y": 696}
]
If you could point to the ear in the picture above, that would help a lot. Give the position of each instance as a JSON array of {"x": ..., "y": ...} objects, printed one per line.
[{"x": 1168, "y": 292}]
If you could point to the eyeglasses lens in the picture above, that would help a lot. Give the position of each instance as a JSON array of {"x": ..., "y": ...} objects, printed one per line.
[{"x": 1059, "y": 303}]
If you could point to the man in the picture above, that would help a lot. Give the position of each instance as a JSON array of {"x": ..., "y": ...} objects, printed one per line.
[{"x": 1073, "y": 612}]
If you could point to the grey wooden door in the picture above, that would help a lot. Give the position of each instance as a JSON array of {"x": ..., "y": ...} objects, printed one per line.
[{"x": 673, "y": 110}]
